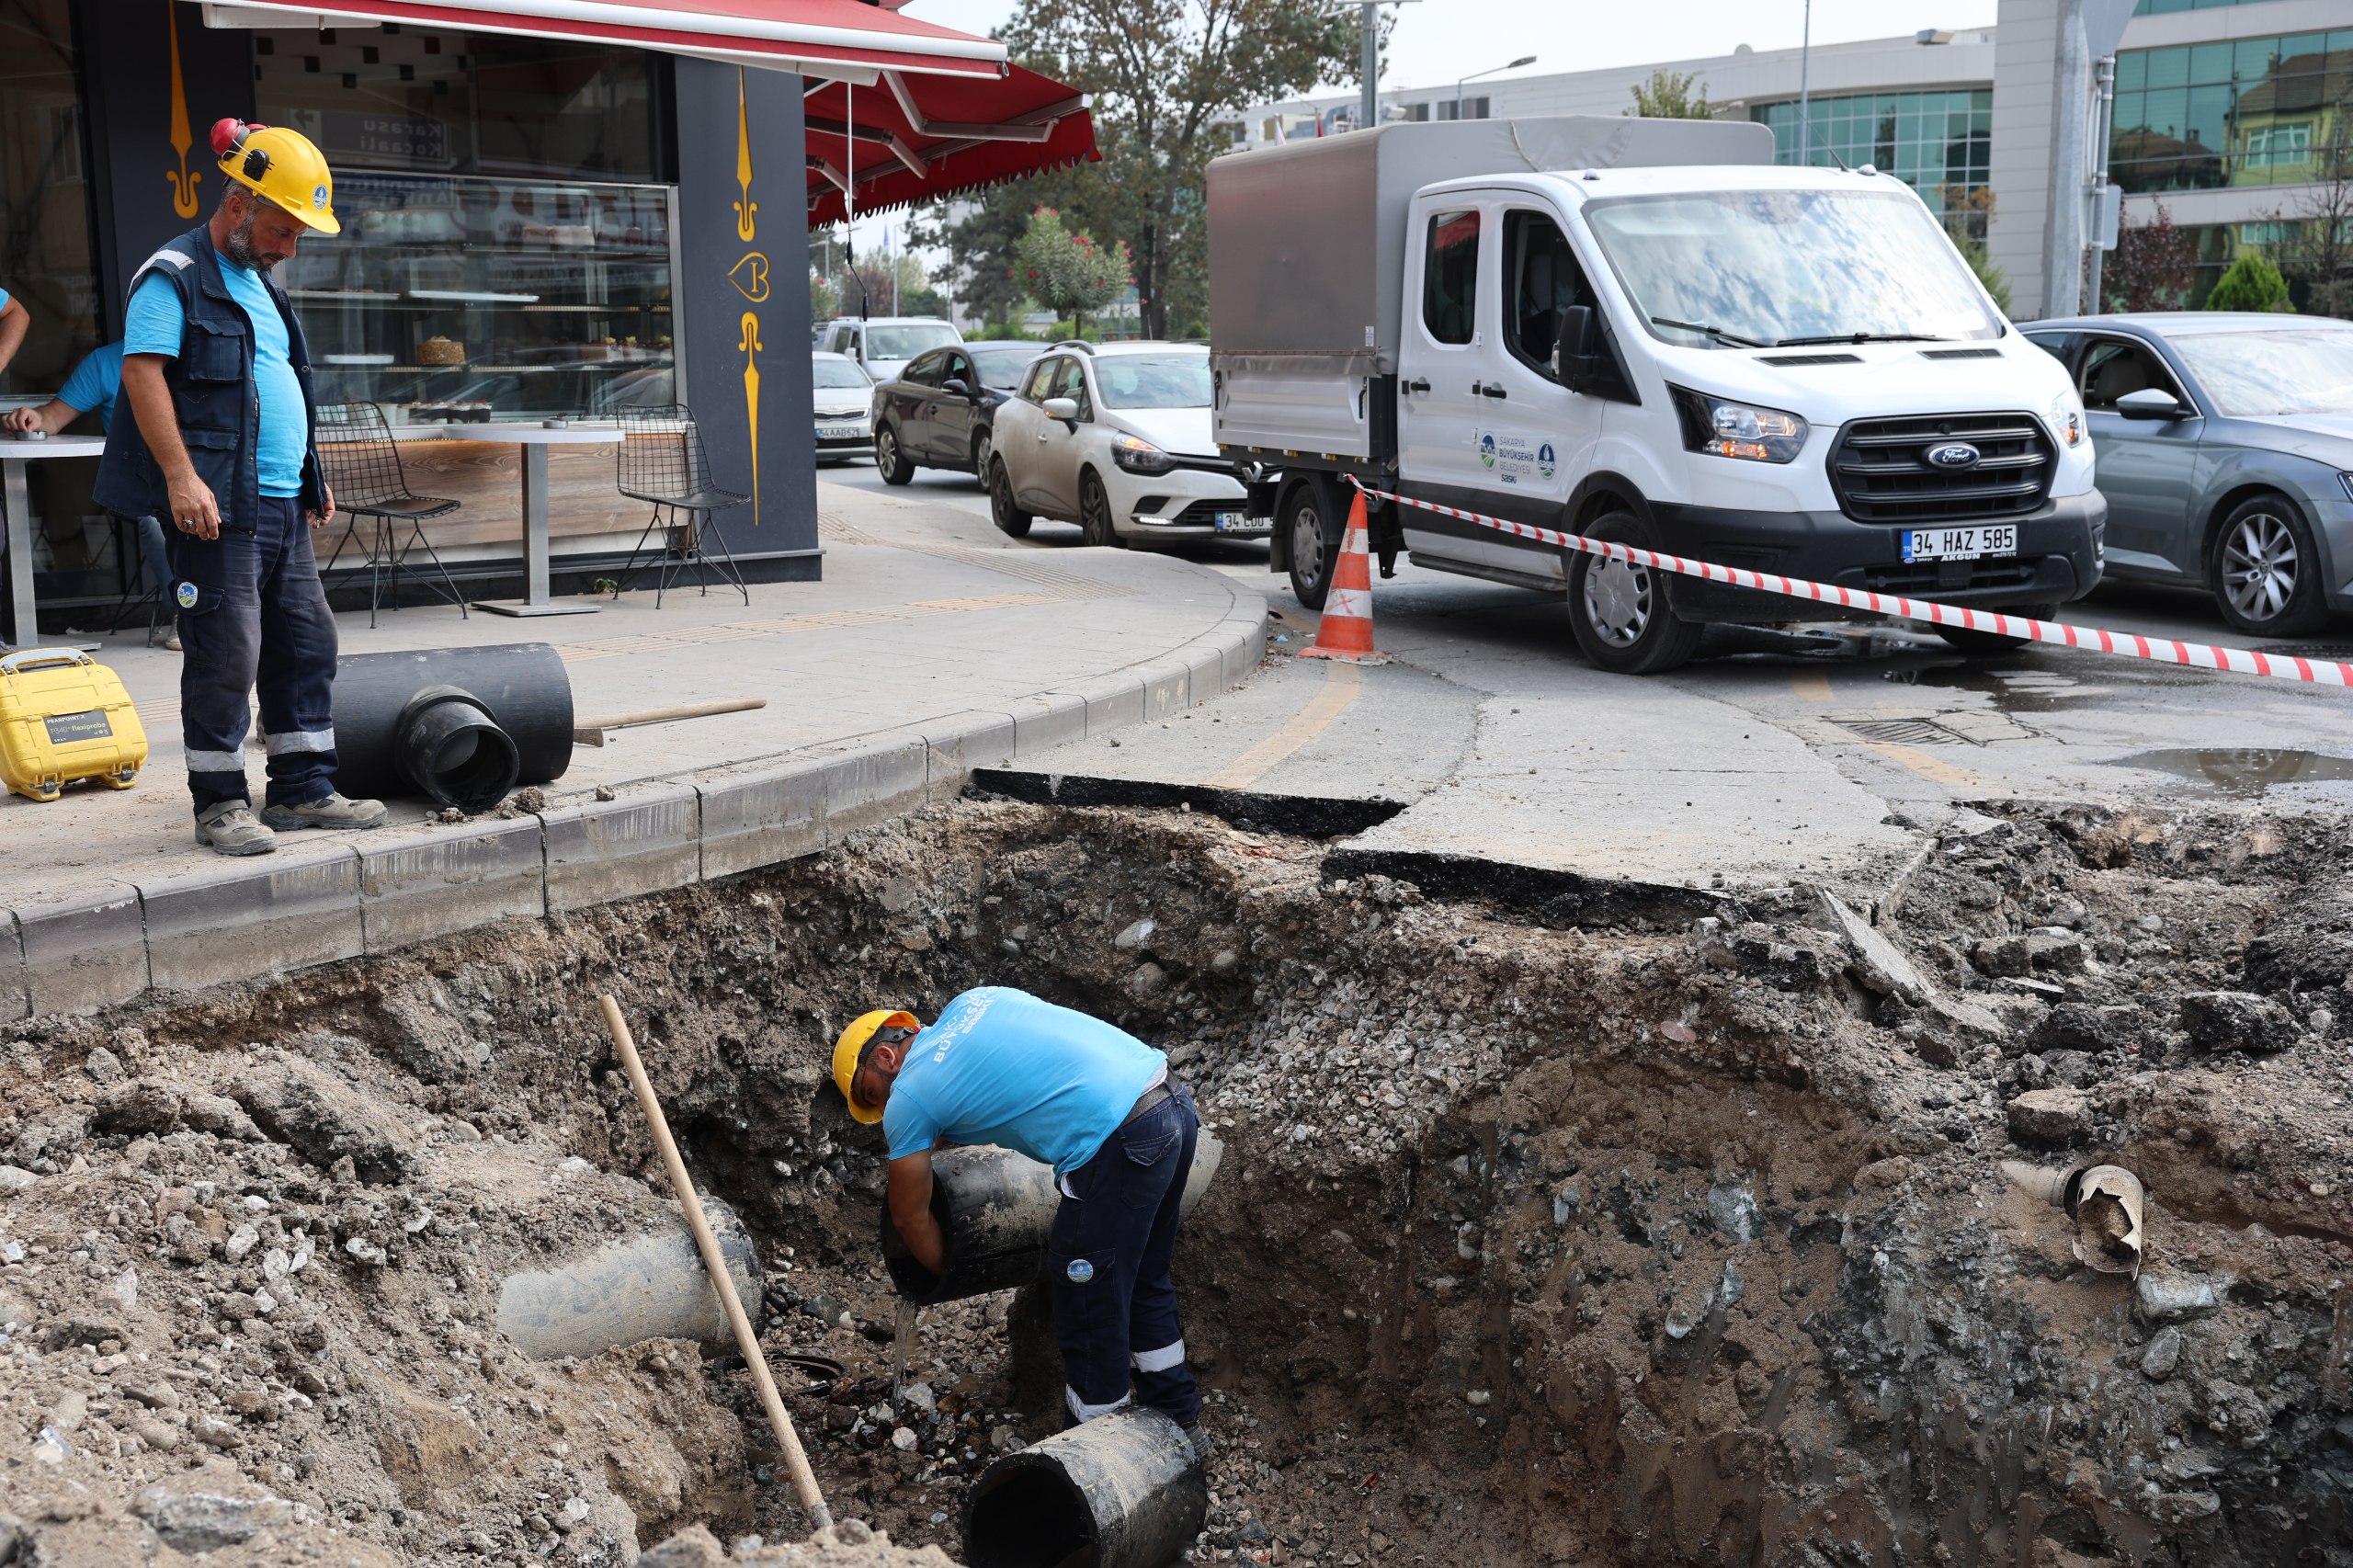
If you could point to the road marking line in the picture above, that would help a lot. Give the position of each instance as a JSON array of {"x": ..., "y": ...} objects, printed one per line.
[
  {"x": 1342, "y": 682},
  {"x": 1930, "y": 767},
  {"x": 1811, "y": 684}
]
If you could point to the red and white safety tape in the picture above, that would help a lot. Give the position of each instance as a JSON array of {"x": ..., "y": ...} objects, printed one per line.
[{"x": 2123, "y": 645}]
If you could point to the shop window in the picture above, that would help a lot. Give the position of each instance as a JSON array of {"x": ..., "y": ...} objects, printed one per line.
[
  {"x": 469, "y": 298},
  {"x": 45, "y": 254},
  {"x": 1450, "y": 278}
]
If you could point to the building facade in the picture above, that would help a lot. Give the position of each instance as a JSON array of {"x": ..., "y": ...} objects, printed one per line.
[
  {"x": 2235, "y": 117},
  {"x": 531, "y": 230}
]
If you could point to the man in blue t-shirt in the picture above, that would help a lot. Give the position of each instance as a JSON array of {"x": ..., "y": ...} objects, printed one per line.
[
  {"x": 94, "y": 384},
  {"x": 1001, "y": 1067}
]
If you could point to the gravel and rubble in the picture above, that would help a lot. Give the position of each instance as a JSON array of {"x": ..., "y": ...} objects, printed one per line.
[{"x": 1678, "y": 1242}]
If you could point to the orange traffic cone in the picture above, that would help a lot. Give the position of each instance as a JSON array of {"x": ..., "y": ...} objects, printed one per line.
[{"x": 1346, "y": 630}]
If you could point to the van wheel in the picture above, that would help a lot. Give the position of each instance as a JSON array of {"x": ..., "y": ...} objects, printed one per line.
[
  {"x": 1968, "y": 641},
  {"x": 1312, "y": 530},
  {"x": 1621, "y": 614},
  {"x": 1004, "y": 510}
]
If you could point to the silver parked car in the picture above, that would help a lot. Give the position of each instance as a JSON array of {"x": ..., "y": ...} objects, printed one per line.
[{"x": 2225, "y": 450}]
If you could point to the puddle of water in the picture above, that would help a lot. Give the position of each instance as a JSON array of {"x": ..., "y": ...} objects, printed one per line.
[
  {"x": 2242, "y": 770},
  {"x": 2013, "y": 691}
]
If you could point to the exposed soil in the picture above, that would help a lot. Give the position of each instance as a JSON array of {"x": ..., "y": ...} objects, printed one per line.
[{"x": 1537, "y": 1243}]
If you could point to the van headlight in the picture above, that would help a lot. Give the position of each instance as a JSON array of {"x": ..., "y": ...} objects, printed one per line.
[
  {"x": 1137, "y": 455},
  {"x": 1731, "y": 429},
  {"x": 2066, "y": 416}
]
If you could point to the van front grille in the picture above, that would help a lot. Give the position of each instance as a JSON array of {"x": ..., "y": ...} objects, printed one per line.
[{"x": 1881, "y": 472}]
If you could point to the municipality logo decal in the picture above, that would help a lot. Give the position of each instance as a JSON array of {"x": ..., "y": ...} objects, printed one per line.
[
  {"x": 1080, "y": 1271},
  {"x": 1544, "y": 462},
  {"x": 1487, "y": 450},
  {"x": 319, "y": 197},
  {"x": 186, "y": 594}
]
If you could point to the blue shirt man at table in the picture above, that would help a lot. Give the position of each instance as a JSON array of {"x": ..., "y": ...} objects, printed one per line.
[
  {"x": 1086, "y": 1097},
  {"x": 94, "y": 384},
  {"x": 221, "y": 444}
]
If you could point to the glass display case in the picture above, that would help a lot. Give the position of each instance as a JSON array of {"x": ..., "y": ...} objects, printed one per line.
[{"x": 465, "y": 297}]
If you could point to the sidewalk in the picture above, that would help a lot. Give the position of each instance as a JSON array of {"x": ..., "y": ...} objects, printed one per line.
[{"x": 912, "y": 662}]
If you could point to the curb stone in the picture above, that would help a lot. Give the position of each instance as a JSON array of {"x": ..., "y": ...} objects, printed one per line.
[{"x": 318, "y": 905}]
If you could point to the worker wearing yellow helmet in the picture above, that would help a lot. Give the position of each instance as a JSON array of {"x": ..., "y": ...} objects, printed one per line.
[
  {"x": 1004, "y": 1067},
  {"x": 222, "y": 447}
]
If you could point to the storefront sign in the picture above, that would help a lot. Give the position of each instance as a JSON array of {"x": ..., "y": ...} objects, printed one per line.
[{"x": 410, "y": 138}]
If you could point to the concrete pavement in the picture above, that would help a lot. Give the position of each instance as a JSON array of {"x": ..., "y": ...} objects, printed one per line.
[{"x": 922, "y": 655}]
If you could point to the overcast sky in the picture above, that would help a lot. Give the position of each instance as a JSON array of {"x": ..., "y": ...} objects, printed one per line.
[{"x": 1438, "y": 40}]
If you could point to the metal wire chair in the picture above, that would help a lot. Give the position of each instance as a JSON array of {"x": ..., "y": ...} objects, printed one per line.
[
  {"x": 661, "y": 461},
  {"x": 363, "y": 467}
]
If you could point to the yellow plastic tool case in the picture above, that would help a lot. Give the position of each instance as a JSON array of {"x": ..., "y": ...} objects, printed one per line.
[{"x": 64, "y": 716}]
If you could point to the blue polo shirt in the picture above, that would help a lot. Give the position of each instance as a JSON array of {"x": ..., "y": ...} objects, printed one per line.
[
  {"x": 1000, "y": 1066},
  {"x": 154, "y": 323},
  {"x": 95, "y": 382}
]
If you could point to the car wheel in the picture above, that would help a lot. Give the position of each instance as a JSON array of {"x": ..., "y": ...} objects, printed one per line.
[
  {"x": 983, "y": 448},
  {"x": 1621, "y": 615},
  {"x": 1011, "y": 520},
  {"x": 2266, "y": 571},
  {"x": 896, "y": 469},
  {"x": 1968, "y": 641},
  {"x": 1313, "y": 530},
  {"x": 1095, "y": 524}
]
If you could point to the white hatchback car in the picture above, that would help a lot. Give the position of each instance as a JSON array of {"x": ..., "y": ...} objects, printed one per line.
[
  {"x": 842, "y": 401},
  {"x": 1114, "y": 436}
]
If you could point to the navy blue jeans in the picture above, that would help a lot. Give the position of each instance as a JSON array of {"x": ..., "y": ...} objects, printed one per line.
[
  {"x": 252, "y": 612},
  {"x": 1115, "y": 1307}
]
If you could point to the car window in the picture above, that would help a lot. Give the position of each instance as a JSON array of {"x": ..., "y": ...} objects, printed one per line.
[
  {"x": 1040, "y": 377},
  {"x": 2054, "y": 344},
  {"x": 955, "y": 368},
  {"x": 1542, "y": 280},
  {"x": 2116, "y": 367},
  {"x": 925, "y": 371},
  {"x": 1069, "y": 382},
  {"x": 839, "y": 373},
  {"x": 2301, "y": 369},
  {"x": 1154, "y": 381},
  {"x": 1450, "y": 276},
  {"x": 1002, "y": 368}
]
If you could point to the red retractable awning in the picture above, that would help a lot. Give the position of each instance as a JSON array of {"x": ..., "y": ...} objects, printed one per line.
[
  {"x": 909, "y": 139},
  {"x": 814, "y": 36}
]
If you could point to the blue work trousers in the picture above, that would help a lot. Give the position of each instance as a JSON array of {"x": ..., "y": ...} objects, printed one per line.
[
  {"x": 252, "y": 612},
  {"x": 1115, "y": 1307}
]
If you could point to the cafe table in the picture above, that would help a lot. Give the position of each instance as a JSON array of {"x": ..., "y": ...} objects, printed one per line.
[
  {"x": 534, "y": 439},
  {"x": 18, "y": 453}
]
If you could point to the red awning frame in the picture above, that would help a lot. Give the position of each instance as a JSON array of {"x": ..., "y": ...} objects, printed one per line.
[
  {"x": 930, "y": 141},
  {"x": 835, "y": 38}
]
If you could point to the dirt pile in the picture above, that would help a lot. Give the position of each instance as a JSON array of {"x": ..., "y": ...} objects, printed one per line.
[{"x": 1618, "y": 1245}]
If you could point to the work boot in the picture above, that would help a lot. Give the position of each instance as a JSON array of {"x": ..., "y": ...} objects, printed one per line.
[
  {"x": 231, "y": 827},
  {"x": 329, "y": 809},
  {"x": 1198, "y": 1437}
]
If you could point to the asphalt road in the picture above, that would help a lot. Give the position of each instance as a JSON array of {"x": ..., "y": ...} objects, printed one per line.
[{"x": 1763, "y": 760}]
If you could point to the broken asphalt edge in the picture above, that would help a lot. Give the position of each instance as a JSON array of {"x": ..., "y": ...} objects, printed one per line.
[{"x": 321, "y": 903}]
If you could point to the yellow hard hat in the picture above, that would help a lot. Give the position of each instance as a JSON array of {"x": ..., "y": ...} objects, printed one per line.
[
  {"x": 280, "y": 164},
  {"x": 854, "y": 1041}
]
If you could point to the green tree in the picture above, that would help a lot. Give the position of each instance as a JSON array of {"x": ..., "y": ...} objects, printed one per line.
[
  {"x": 1166, "y": 76},
  {"x": 2251, "y": 284},
  {"x": 1067, "y": 271},
  {"x": 1667, "y": 95},
  {"x": 825, "y": 297},
  {"x": 1967, "y": 213}
]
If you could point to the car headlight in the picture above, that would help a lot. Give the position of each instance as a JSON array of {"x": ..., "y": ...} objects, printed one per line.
[
  {"x": 1137, "y": 455},
  {"x": 1731, "y": 429},
  {"x": 2066, "y": 416}
]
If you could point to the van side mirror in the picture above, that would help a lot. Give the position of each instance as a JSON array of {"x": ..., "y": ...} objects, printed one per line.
[
  {"x": 2151, "y": 403},
  {"x": 1576, "y": 356}
]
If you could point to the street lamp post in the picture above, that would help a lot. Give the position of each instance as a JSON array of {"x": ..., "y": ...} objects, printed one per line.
[{"x": 1523, "y": 60}]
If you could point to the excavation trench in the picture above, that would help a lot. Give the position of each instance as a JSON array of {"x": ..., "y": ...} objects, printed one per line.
[{"x": 1552, "y": 1229}]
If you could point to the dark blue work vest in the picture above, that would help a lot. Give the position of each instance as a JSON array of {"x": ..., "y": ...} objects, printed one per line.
[{"x": 214, "y": 394}]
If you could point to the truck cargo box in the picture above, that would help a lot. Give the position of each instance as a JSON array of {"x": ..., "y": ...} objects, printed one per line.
[{"x": 1307, "y": 255}]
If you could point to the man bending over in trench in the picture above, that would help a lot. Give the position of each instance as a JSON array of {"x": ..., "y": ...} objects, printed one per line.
[{"x": 1001, "y": 1067}]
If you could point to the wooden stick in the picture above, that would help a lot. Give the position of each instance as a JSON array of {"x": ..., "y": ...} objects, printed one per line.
[
  {"x": 804, "y": 1480},
  {"x": 591, "y": 732}
]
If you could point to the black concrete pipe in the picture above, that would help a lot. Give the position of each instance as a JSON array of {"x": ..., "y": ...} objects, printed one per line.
[
  {"x": 1121, "y": 1491},
  {"x": 996, "y": 1211},
  {"x": 460, "y": 726}
]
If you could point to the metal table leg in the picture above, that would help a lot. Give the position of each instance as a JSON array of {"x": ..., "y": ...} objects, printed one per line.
[
  {"x": 537, "y": 599},
  {"x": 14, "y": 495}
]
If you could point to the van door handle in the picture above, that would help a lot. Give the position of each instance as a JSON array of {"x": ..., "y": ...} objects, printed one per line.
[
  {"x": 1489, "y": 391},
  {"x": 1417, "y": 385}
]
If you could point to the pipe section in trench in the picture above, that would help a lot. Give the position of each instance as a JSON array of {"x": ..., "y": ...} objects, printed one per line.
[
  {"x": 460, "y": 726},
  {"x": 995, "y": 1210},
  {"x": 1121, "y": 1491},
  {"x": 650, "y": 1286}
]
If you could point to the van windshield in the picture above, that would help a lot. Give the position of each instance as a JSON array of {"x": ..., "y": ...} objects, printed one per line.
[
  {"x": 1752, "y": 268},
  {"x": 907, "y": 342}
]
